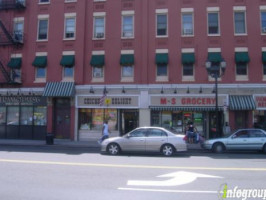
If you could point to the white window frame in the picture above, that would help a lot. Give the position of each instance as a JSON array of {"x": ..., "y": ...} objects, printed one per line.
[
  {"x": 187, "y": 11},
  {"x": 242, "y": 77},
  {"x": 161, "y": 12},
  {"x": 43, "y": 79},
  {"x": 128, "y": 14},
  {"x": 42, "y": 17},
  {"x": 188, "y": 78},
  {"x": 18, "y": 79},
  {"x": 263, "y": 29},
  {"x": 68, "y": 79},
  {"x": 98, "y": 79},
  {"x": 127, "y": 78},
  {"x": 16, "y": 21},
  {"x": 240, "y": 9},
  {"x": 70, "y": 16},
  {"x": 211, "y": 10},
  {"x": 70, "y": 1},
  {"x": 99, "y": 15}
]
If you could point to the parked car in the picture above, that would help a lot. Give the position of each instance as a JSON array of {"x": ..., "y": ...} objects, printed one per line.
[
  {"x": 145, "y": 139},
  {"x": 242, "y": 139}
]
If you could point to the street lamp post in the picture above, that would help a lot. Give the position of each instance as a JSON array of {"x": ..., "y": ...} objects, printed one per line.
[{"x": 216, "y": 70}]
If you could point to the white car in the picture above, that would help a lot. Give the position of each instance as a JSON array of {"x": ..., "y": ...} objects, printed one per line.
[
  {"x": 242, "y": 139},
  {"x": 145, "y": 139}
]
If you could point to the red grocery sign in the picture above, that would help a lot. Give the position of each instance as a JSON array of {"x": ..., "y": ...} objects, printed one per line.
[{"x": 261, "y": 101}]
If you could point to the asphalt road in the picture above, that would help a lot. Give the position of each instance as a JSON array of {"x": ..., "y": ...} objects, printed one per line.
[{"x": 44, "y": 173}]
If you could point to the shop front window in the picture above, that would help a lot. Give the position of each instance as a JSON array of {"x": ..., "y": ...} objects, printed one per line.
[
  {"x": 2, "y": 115},
  {"x": 40, "y": 115},
  {"x": 13, "y": 115},
  {"x": 26, "y": 116},
  {"x": 92, "y": 119}
]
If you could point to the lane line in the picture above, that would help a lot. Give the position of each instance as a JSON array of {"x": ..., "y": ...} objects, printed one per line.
[
  {"x": 169, "y": 191},
  {"x": 130, "y": 166}
]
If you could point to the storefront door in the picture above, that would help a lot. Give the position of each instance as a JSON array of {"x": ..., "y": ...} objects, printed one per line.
[
  {"x": 213, "y": 131},
  {"x": 241, "y": 119},
  {"x": 62, "y": 118},
  {"x": 129, "y": 120}
]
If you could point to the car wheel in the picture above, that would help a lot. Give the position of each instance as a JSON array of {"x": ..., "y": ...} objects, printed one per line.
[
  {"x": 113, "y": 149},
  {"x": 168, "y": 150},
  {"x": 218, "y": 148}
]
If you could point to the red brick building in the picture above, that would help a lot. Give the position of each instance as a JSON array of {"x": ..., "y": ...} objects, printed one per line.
[{"x": 66, "y": 65}]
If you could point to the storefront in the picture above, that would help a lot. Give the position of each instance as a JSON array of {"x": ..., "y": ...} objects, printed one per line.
[
  {"x": 241, "y": 111},
  {"x": 175, "y": 112},
  {"x": 260, "y": 112},
  {"x": 23, "y": 117},
  {"x": 122, "y": 114}
]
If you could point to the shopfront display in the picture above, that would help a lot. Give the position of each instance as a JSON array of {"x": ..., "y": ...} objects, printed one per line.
[
  {"x": 260, "y": 112},
  {"x": 176, "y": 112},
  {"x": 23, "y": 117},
  {"x": 121, "y": 113}
]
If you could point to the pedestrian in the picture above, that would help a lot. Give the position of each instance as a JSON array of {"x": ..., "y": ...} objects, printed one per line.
[
  {"x": 105, "y": 132},
  {"x": 191, "y": 133}
]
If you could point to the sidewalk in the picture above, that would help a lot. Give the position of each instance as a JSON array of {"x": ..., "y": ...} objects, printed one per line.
[{"x": 66, "y": 143}]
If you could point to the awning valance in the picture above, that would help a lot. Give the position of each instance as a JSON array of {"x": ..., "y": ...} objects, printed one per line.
[
  {"x": 68, "y": 60},
  {"x": 188, "y": 58},
  {"x": 215, "y": 57},
  {"x": 241, "y": 102},
  {"x": 40, "y": 61},
  {"x": 161, "y": 58},
  {"x": 97, "y": 60},
  {"x": 59, "y": 89},
  {"x": 127, "y": 59},
  {"x": 242, "y": 57},
  {"x": 15, "y": 63},
  {"x": 184, "y": 108},
  {"x": 264, "y": 57}
]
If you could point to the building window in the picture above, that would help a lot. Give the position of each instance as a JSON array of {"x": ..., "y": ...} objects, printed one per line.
[
  {"x": 44, "y": 1},
  {"x": 2, "y": 115},
  {"x": 43, "y": 29},
  {"x": 68, "y": 72},
  {"x": 97, "y": 72},
  {"x": 127, "y": 71},
  {"x": 263, "y": 22},
  {"x": 264, "y": 68},
  {"x": 70, "y": 27},
  {"x": 26, "y": 116},
  {"x": 161, "y": 24},
  {"x": 241, "y": 69},
  {"x": 188, "y": 69},
  {"x": 40, "y": 115},
  {"x": 13, "y": 115},
  {"x": 18, "y": 31},
  {"x": 187, "y": 24},
  {"x": 99, "y": 27},
  {"x": 92, "y": 119},
  {"x": 161, "y": 70},
  {"x": 213, "y": 23},
  {"x": 16, "y": 75},
  {"x": 40, "y": 73},
  {"x": 240, "y": 22},
  {"x": 127, "y": 26}
]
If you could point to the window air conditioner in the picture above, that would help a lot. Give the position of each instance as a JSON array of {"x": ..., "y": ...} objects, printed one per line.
[
  {"x": 99, "y": 35},
  {"x": 263, "y": 29}
]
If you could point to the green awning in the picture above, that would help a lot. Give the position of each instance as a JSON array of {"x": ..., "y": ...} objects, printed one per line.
[
  {"x": 40, "y": 61},
  {"x": 242, "y": 57},
  {"x": 127, "y": 59},
  {"x": 68, "y": 61},
  {"x": 15, "y": 63},
  {"x": 184, "y": 108},
  {"x": 97, "y": 60},
  {"x": 263, "y": 57},
  {"x": 59, "y": 89},
  {"x": 215, "y": 57},
  {"x": 161, "y": 58},
  {"x": 188, "y": 58},
  {"x": 241, "y": 102}
]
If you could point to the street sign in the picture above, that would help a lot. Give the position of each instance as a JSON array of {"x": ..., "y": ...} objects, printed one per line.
[{"x": 176, "y": 178}]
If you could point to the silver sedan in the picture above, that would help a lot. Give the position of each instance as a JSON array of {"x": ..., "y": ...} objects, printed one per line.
[
  {"x": 242, "y": 139},
  {"x": 145, "y": 139}
]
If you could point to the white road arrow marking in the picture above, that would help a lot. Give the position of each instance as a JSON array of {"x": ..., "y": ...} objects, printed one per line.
[{"x": 178, "y": 178}]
